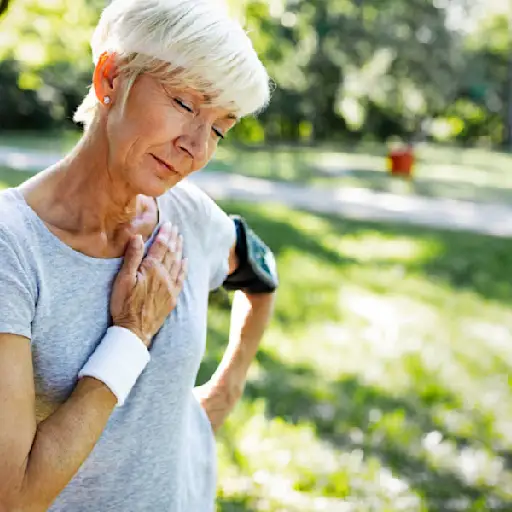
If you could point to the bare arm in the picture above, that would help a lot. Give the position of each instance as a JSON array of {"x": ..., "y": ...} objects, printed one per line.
[
  {"x": 250, "y": 315},
  {"x": 38, "y": 461}
]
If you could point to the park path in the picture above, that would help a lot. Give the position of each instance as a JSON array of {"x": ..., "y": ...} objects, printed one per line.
[{"x": 354, "y": 203}]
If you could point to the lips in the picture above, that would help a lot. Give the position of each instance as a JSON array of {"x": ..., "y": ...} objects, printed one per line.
[{"x": 168, "y": 166}]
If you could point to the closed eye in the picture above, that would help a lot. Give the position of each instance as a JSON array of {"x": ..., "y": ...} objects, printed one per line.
[
  {"x": 188, "y": 108},
  {"x": 218, "y": 132},
  {"x": 183, "y": 105}
]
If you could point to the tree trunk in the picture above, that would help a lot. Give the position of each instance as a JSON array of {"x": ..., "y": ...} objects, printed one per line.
[
  {"x": 3, "y": 6},
  {"x": 508, "y": 120},
  {"x": 508, "y": 124}
]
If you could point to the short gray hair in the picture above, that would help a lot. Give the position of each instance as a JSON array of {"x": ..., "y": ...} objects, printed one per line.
[{"x": 193, "y": 43}]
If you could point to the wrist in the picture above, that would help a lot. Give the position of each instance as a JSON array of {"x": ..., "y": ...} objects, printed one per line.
[
  {"x": 90, "y": 385},
  {"x": 233, "y": 380},
  {"x": 117, "y": 361},
  {"x": 135, "y": 330}
]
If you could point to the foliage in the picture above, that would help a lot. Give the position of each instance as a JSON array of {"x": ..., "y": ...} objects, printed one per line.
[
  {"x": 343, "y": 69},
  {"x": 45, "y": 61}
]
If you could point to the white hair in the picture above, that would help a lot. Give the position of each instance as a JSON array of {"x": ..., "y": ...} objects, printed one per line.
[{"x": 192, "y": 43}]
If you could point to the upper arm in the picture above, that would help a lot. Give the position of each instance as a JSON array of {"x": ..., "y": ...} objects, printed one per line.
[
  {"x": 17, "y": 395},
  {"x": 17, "y": 410},
  {"x": 232, "y": 259}
]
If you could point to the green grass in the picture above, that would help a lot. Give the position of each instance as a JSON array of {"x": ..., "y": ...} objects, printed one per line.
[
  {"x": 468, "y": 174},
  {"x": 384, "y": 382}
]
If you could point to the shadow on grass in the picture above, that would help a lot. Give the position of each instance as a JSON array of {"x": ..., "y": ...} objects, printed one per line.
[
  {"x": 354, "y": 416},
  {"x": 464, "y": 261},
  {"x": 281, "y": 235},
  {"x": 234, "y": 504},
  {"x": 339, "y": 409}
]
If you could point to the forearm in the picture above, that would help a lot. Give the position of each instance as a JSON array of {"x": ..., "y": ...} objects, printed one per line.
[
  {"x": 63, "y": 442},
  {"x": 250, "y": 315}
]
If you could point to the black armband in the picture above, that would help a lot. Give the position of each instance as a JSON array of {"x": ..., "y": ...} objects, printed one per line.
[{"x": 256, "y": 272}]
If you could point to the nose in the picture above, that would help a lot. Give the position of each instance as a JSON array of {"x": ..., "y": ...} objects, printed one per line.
[{"x": 195, "y": 142}]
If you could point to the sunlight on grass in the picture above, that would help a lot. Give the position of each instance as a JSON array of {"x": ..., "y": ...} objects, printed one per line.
[
  {"x": 383, "y": 382},
  {"x": 374, "y": 246}
]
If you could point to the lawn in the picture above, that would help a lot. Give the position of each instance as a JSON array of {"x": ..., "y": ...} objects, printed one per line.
[
  {"x": 439, "y": 172},
  {"x": 384, "y": 382}
]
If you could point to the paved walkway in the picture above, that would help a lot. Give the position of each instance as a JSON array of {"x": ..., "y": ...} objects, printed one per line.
[{"x": 354, "y": 203}]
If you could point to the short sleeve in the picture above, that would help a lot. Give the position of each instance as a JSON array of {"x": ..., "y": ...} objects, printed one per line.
[
  {"x": 17, "y": 297},
  {"x": 220, "y": 237}
]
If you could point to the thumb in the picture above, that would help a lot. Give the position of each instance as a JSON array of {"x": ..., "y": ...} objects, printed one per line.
[{"x": 133, "y": 255}]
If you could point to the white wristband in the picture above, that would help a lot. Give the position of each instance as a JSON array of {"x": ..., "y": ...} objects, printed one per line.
[{"x": 117, "y": 361}]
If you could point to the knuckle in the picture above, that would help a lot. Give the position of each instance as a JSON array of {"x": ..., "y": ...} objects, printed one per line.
[
  {"x": 159, "y": 245},
  {"x": 161, "y": 239},
  {"x": 159, "y": 272},
  {"x": 149, "y": 263}
]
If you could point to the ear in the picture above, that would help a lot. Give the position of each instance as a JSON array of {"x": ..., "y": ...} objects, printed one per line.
[{"x": 105, "y": 72}]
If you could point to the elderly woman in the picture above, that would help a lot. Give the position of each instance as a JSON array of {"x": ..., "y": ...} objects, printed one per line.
[{"x": 102, "y": 322}]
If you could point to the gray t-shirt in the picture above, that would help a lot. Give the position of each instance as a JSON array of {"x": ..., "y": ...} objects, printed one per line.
[{"x": 157, "y": 452}]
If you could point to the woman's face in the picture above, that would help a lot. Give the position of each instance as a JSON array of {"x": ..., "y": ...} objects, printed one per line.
[{"x": 162, "y": 135}]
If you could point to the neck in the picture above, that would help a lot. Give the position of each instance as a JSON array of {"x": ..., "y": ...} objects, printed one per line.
[{"x": 88, "y": 195}]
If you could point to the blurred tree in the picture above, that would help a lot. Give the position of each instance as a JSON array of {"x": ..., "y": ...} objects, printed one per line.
[
  {"x": 341, "y": 68},
  {"x": 341, "y": 65},
  {"x": 488, "y": 74},
  {"x": 3, "y": 6},
  {"x": 48, "y": 44}
]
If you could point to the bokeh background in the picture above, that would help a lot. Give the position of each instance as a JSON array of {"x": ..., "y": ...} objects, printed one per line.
[{"x": 384, "y": 382}]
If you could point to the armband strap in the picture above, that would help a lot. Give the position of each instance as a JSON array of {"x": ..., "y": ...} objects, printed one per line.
[
  {"x": 118, "y": 361},
  {"x": 257, "y": 271}
]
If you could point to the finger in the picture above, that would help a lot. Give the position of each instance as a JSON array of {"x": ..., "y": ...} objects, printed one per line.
[
  {"x": 182, "y": 274},
  {"x": 169, "y": 255},
  {"x": 133, "y": 256},
  {"x": 174, "y": 268},
  {"x": 173, "y": 240},
  {"x": 160, "y": 245}
]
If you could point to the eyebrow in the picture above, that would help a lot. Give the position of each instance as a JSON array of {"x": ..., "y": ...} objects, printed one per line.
[{"x": 232, "y": 116}]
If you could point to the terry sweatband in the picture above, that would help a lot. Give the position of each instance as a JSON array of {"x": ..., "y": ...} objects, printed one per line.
[{"x": 117, "y": 361}]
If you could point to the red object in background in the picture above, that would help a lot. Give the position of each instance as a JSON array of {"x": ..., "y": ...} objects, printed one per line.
[{"x": 401, "y": 162}]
